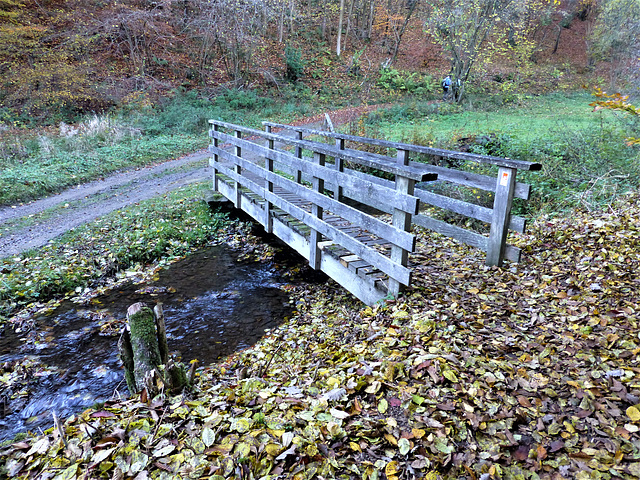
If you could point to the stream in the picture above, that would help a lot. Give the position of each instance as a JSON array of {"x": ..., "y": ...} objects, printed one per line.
[{"x": 213, "y": 304}]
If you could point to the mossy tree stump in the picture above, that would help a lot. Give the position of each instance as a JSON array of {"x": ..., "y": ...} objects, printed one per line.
[{"x": 145, "y": 353}]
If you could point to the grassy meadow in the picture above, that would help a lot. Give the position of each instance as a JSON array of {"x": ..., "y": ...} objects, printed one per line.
[
  {"x": 585, "y": 161},
  {"x": 38, "y": 162}
]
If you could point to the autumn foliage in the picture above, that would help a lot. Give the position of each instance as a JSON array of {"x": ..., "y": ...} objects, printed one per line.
[{"x": 617, "y": 102}]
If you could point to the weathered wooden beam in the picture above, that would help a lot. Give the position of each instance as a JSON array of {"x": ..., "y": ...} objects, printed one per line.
[
  {"x": 501, "y": 215},
  {"x": 238, "y": 168},
  {"x": 316, "y": 237},
  {"x": 330, "y": 150},
  {"x": 474, "y": 157},
  {"x": 461, "y": 177},
  {"x": 385, "y": 264},
  {"x": 484, "y": 214},
  {"x": 374, "y": 192},
  {"x": 401, "y": 238},
  {"x": 401, "y": 220},
  {"x": 268, "y": 207},
  {"x": 339, "y": 166}
]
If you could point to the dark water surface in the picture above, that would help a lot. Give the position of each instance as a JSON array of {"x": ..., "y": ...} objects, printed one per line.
[{"x": 213, "y": 306}]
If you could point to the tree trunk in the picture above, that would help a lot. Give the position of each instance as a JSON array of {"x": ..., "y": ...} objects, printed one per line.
[
  {"x": 144, "y": 342},
  {"x": 338, "y": 44},
  {"x": 145, "y": 354},
  {"x": 399, "y": 35}
]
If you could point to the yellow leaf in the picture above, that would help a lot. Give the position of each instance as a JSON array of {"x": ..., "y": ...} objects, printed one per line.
[
  {"x": 450, "y": 375},
  {"x": 391, "y": 439},
  {"x": 418, "y": 433},
  {"x": 273, "y": 449},
  {"x": 391, "y": 468},
  {"x": 633, "y": 413}
]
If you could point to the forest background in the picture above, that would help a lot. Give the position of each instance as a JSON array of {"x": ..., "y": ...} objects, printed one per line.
[{"x": 61, "y": 59}]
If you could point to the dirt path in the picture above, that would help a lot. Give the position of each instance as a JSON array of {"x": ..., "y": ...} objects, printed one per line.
[{"x": 33, "y": 225}]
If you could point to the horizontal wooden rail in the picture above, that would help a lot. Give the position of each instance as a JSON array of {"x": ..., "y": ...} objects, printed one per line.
[
  {"x": 383, "y": 164},
  {"x": 387, "y": 192},
  {"x": 474, "y": 157},
  {"x": 504, "y": 186}
]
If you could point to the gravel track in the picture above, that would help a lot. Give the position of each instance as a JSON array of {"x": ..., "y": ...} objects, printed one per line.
[{"x": 33, "y": 225}]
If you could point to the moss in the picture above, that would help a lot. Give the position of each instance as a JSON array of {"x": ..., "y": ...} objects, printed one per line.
[{"x": 144, "y": 342}]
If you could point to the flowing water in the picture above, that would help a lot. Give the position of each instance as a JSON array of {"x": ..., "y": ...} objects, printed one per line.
[{"x": 213, "y": 306}]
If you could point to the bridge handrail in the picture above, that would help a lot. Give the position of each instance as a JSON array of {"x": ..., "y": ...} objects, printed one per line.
[
  {"x": 475, "y": 157},
  {"x": 412, "y": 172},
  {"x": 504, "y": 186},
  {"x": 393, "y": 199}
]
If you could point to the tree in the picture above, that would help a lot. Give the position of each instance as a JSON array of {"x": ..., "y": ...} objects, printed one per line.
[
  {"x": 616, "y": 38},
  {"x": 230, "y": 31},
  {"x": 466, "y": 29},
  {"x": 340, "y": 20},
  {"x": 617, "y": 102}
]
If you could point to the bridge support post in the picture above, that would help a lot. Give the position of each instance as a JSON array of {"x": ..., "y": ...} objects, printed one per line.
[
  {"x": 315, "y": 237},
  {"x": 237, "y": 193},
  {"x": 215, "y": 157},
  {"x": 401, "y": 220},
  {"x": 299, "y": 155},
  {"x": 268, "y": 206},
  {"x": 505, "y": 189},
  {"x": 339, "y": 161}
]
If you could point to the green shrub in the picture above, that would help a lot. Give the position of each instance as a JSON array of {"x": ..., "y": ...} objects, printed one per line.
[
  {"x": 294, "y": 63},
  {"x": 396, "y": 81}
]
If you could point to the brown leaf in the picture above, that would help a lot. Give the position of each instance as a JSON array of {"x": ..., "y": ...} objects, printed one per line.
[
  {"x": 524, "y": 401},
  {"x": 556, "y": 445},
  {"x": 541, "y": 452},
  {"x": 102, "y": 414},
  {"x": 522, "y": 453}
]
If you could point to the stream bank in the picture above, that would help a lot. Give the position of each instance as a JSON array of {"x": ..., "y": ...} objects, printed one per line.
[{"x": 214, "y": 303}]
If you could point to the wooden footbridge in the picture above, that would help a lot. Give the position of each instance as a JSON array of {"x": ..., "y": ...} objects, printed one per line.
[{"x": 318, "y": 197}]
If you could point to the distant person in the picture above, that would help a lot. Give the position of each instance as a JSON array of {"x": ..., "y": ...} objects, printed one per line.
[{"x": 446, "y": 86}]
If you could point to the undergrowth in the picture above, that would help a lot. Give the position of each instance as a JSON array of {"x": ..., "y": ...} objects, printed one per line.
[
  {"x": 39, "y": 162},
  {"x": 585, "y": 162}
]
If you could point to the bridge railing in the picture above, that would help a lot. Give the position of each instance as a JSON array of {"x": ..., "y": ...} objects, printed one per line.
[
  {"x": 504, "y": 187},
  {"x": 265, "y": 171}
]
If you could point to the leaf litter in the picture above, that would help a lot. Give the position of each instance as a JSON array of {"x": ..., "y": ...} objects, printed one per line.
[{"x": 524, "y": 372}]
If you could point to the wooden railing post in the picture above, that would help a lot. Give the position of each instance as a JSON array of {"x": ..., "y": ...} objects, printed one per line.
[
  {"x": 339, "y": 161},
  {"x": 299, "y": 155},
  {"x": 237, "y": 193},
  {"x": 315, "y": 237},
  {"x": 502, "y": 202},
  {"x": 216, "y": 128},
  {"x": 268, "y": 206},
  {"x": 401, "y": 220}
]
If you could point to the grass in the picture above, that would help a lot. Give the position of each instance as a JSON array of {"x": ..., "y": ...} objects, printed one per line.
[
  {"x": 154, "y": 230},
  {"x": 585, "y": 160},
  {"x": 45, "y": 171},
  {"x": 37, "y": 163},
  {"x": 533, "y": 118}
]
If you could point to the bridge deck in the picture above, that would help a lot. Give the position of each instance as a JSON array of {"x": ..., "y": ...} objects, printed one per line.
[{"x": 359, "y": 276}]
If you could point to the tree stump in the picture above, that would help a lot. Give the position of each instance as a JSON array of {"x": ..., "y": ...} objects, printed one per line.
[{"x": 145, "y": 353}]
